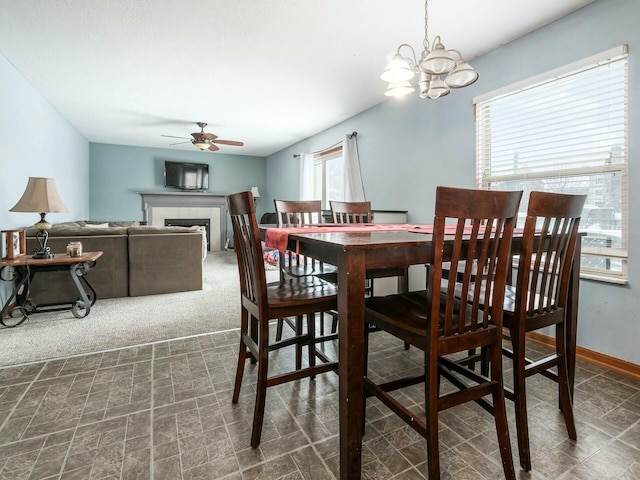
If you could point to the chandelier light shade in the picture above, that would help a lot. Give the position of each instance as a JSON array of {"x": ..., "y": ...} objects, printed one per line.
[
  {"x": 439, "y": 70},
  {"x": 41, "y": 196}
]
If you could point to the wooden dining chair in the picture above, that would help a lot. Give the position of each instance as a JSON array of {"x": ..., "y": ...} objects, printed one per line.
[
  {"x": 359, "y": 213},
  {"x": 539, "y": 299},
  {"x": 441, "y": 325},
  {"x": 350, "y": 212},
  {"x": 298, "y": 213},
  {"x": 262, "y": 302}
]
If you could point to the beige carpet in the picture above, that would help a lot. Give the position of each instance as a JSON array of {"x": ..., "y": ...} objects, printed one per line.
[{"x": 120, "y": 322}]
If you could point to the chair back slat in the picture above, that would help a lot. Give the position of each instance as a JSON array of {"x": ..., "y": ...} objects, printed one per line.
[
  {"x": 248, "y": 247},
  {"x": 485, "y": 220},
  {"x": 546, "y": 255},
  {"x": 297, "y": 213},
  {"x": 350, "y": 212}
]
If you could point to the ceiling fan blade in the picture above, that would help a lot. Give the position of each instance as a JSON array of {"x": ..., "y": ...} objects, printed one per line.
[
  {"x": 213, "y": 147},
  {"x": 180, "y": 143},
  {"x": 229, "y": 142},
  {"x": 173, "y": 136}
]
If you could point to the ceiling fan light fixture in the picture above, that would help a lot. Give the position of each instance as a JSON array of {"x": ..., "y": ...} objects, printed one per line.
[{"x": 206, "y": 141}]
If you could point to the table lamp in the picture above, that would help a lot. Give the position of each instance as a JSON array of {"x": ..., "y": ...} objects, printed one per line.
[{"x": 41, "y": 197}]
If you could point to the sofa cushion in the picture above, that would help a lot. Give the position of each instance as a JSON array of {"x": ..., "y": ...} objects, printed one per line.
[
  {"x": 149, "y": 230},
  {"x": 70, "y": 230},
  {"x": 164, "y": 263},
  {"x": 133, "y": 223}
]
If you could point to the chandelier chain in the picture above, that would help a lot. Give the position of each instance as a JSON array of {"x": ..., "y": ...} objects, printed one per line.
[{"x": 425, "y": 42}]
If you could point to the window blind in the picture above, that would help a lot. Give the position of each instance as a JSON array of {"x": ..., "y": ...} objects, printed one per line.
[{"x": 566, "y": 131}]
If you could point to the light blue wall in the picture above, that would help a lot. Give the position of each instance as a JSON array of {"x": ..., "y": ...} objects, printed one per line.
[
  {"x": 407, "y": 148},
  {"x": 36, "y": 141},
  {"x": 118, "y": 172}
]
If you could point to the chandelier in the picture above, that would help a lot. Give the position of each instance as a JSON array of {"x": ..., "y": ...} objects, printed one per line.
[{"x": 438, "y": 71}]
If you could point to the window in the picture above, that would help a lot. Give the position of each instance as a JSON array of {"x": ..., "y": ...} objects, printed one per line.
[
  {"x": 565, "y": 131},
  {"x": 328, "y": 176}
]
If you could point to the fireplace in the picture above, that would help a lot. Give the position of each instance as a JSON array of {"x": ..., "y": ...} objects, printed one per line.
[
  {"x": 189, "y": 208},
  {"x": 191, "y": 222}
]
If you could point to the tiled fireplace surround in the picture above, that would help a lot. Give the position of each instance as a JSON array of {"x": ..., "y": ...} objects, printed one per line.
[{"x": 159, "y": 206}]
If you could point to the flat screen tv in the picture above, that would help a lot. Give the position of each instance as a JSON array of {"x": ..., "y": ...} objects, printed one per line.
[{"x": 186, "y": 176}]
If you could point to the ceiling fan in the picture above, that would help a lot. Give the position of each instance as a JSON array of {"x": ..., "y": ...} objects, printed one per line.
[{"x": 206, "y": 141}]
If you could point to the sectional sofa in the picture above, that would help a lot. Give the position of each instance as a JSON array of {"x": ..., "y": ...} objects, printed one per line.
[{"x": 138, "y": 260}]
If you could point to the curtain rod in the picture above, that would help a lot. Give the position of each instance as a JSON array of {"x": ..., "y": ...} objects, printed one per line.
[{"x": 352, "y": 134}]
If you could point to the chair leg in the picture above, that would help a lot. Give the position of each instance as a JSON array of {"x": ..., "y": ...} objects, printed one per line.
[
  {"x": 563, "y": 383},
  {"x": 311, "y": 329},
  {"x": 261, "y": 388},
  {"x": 520, "y": 397},
  {"x": 431, "y": 406},
  {"x": 484, "y": 361},
  {"x": 242, "y": 356},
  {"x": 279, "y": 326},
  {"x": 500, "y": 412},
  {"x": 365, "y": 370},
  {"x": 254, "y": 337},
  {"x": 298, "y": 343}
]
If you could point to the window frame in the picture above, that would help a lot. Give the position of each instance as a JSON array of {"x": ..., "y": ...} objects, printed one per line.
[{"x": 321, "y": 158}]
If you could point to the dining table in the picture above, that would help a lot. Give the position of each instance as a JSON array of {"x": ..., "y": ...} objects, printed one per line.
[{"x": 354, "y": 250}]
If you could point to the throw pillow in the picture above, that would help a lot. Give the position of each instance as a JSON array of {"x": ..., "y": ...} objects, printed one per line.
[{"x": 98, "y": 225}]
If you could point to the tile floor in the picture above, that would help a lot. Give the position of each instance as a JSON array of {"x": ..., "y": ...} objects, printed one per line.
[{"x": 164, "y": 411}]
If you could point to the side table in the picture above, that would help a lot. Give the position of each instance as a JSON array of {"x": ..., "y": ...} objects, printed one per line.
[{"x": 21, "y": 271}]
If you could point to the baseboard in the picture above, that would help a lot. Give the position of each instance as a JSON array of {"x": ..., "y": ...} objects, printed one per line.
[{"x": 592, "y": 356}]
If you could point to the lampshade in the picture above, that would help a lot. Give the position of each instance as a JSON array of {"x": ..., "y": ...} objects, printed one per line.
[
  {"x": 255, "y": 192},
  {"x": 462, "y": 76},
  {"x": 437, "y": 88},
  {"x": 398, "y": 70},
  {"x": 40, "y": 196},
  {"x": 439, "y": 61},
  {"x": 399, "y": 89}
]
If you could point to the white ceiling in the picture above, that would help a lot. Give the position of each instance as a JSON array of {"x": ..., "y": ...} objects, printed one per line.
[{"x": 266, "y": 72}]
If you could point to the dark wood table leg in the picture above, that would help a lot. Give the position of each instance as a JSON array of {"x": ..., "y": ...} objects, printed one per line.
[
  {"x": 351, "y": 283},
  {"x": 571, "y": 322}
]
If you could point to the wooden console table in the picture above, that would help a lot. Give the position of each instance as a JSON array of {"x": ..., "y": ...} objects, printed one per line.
[{"x": 22, "y": 269}]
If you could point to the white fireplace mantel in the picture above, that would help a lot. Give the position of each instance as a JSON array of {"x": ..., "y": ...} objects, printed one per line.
[{"x": 157, "y": 206}]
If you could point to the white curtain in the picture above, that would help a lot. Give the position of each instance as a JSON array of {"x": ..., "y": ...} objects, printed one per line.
[
  {"x": 306, "y": 176},
  {"x": 353, "y": 188}
]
